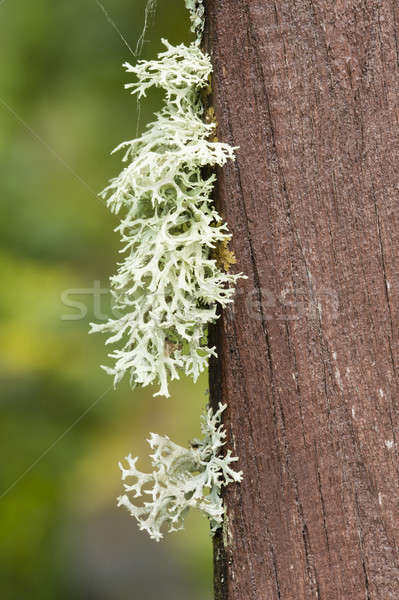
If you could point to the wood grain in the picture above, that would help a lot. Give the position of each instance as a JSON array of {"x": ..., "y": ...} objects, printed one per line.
[{"x": 308, "y": 355}]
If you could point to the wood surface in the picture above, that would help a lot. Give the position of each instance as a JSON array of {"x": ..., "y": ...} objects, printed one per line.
[{"x": 309, "y": 354}]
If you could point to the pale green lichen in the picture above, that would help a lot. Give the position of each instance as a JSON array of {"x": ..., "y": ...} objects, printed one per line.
[
  {"x": 182, "y": 479},
  {"x": 197, "y": 15},
  {"x": 172, "y": 277},
  {"x": 168, "y": 285}
]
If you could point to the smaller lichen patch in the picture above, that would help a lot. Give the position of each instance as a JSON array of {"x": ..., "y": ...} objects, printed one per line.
[{"x": 182, "y": 479}]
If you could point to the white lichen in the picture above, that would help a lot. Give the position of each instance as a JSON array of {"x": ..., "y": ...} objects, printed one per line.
[
  {"x": 197, "y": 15},
  {"x": 168, "y": 285},
  {"x": 182, "y": 479}
]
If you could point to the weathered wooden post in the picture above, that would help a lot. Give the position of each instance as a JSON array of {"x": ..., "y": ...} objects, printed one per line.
[{"x": 308, "y": 354}]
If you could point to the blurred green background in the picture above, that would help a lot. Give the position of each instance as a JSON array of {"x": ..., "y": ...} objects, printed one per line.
[{"x": 63, "y": 428}]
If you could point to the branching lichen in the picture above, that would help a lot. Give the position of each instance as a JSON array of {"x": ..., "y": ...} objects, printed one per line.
[
  {"x": 197, "y": 15},
  {"x": 173, "y": 275},
  {"x": 182, "y": 479},
  {"x": 168, "y": 285}
]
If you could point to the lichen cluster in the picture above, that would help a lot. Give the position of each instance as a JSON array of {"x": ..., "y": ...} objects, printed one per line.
[
  {"x": 168, "y": 285},
  {"x": 181, "y": 479},
  {"x": 173, "y": 275}
]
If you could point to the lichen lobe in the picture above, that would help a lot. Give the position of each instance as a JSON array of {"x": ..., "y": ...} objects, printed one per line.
[{"x": 197, "y": 16}]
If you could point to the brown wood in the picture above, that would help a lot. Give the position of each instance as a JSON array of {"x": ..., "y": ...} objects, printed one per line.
[{"x": 308, "y": 355}]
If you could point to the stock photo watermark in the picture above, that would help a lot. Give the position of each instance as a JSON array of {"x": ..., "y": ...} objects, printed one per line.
[{"x": 288, "y": 304}]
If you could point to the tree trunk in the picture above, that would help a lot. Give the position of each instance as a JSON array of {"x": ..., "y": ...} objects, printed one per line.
[{"x": 308, "y": 354}]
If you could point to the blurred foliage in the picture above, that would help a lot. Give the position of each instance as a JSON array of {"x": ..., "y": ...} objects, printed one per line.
[{"x": 63, "y": 428}]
